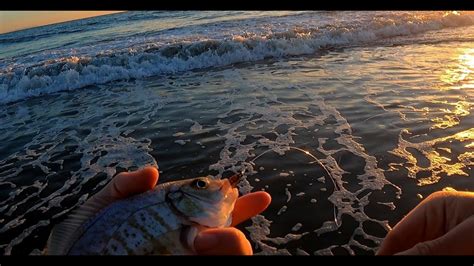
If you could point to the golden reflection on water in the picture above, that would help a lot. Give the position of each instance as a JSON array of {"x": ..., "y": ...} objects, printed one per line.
[
  {"x": 438, "y": 165},
  {"x": 459, "y": 76},
  {"x": 431, "y": 160},
  {"x": 451, "y": 117}
]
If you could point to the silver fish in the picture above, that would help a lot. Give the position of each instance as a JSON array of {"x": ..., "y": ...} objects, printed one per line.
[{"x": 164, "y": 220}]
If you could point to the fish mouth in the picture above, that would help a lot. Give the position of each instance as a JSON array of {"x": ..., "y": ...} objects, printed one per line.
[{"x": 234, "y": 180}]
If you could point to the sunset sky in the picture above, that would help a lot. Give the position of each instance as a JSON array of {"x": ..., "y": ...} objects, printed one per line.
[{"x": 17, "y": 20}]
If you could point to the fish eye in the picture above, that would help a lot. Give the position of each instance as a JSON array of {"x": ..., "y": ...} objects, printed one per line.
[{"x": 200, "y": 183}]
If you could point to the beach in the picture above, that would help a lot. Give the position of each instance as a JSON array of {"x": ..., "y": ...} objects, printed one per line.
[{"x": 383, "y": 100}]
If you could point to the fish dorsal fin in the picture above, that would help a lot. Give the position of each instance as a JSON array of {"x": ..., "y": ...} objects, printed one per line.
[{"x": 63, "y": 235}]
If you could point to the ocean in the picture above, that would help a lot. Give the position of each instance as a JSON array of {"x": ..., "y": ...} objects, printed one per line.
[{"x": 382, "y": 99}]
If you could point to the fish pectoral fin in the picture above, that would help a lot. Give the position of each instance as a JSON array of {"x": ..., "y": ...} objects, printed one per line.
[{"x": 64, "y": 234}]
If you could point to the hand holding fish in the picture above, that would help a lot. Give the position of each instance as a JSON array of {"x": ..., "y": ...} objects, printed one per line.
[
  {"x": 156, "y": 223},
  {"x": 443, "y": 224}
]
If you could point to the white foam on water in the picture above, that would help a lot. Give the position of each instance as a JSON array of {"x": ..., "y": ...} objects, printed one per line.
[
  {"x": 388, "y": 204},
  {"x": 282, "y": 210},
  {"x": 182, "y": 141},
  {"x": 179, "y": 134},
  {"x": 22, "y": 80},
  {"x": 273, "y": 116},
  {"x": 296, "y": 227},
  {"x": 301, "y": 252},
  {"x": 288, "y": 194},
  {"x": 196, "y": 127},
  {"x": 438, "y": 165},
  {"x": 287, "y": 238},
  {"x": 99, "y": 150},
  {"x": 238, "y": 150}
]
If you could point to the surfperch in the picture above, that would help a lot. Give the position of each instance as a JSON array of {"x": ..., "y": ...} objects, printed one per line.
[{"x": 164, "y": 220}]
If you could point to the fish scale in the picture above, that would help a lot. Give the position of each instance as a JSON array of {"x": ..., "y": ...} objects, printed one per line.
[
  {"x": 154, "y": 222},
  {"x": 143, "y": 234},
  {"x": 125, "y": 233}
]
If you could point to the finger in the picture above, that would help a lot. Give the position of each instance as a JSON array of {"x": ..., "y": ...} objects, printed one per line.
[
  {"x": 250, "y": 205},
  {"x": 458, "y": 241},
  {"x": 428, "y": 221},
  {"x": 130, "y": 183},
  {"x": 222, "y": 241}
]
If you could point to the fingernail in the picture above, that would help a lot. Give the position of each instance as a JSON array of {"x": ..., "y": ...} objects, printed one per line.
[{"x": 205, "y": 241}]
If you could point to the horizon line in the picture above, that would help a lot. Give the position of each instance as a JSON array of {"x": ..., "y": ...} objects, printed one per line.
[{"x": 64, "y": 21}]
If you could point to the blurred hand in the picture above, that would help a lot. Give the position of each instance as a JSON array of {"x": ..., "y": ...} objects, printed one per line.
[
  {"x": 442, "y": 224},
  {"x": 214, "y": 241}
]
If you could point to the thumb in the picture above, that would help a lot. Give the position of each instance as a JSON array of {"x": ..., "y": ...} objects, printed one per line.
[
  {"x": 222, "y": 241},
  {"x": 458, "y": 241},
  {"x": 433, "y": 247},
  {"x": 126, "y": 184}
]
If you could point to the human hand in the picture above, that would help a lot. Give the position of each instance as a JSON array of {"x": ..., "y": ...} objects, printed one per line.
[
  {"x": 442, "y": 224},
  {"x": 213, "y": 241}
]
